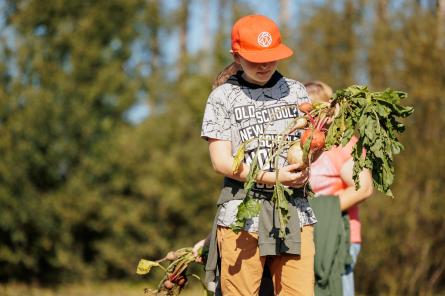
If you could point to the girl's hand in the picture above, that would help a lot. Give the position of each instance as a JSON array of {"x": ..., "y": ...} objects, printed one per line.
[
  {"x": 288, "y": 176},
  {"x": 199, "y": 246}
]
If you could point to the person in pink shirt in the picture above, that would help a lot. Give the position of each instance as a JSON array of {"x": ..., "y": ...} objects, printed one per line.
[{"x": 331, "y": 174}]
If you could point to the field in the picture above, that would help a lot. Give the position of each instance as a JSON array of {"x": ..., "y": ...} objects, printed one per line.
[{"x": 88, "y": 289}]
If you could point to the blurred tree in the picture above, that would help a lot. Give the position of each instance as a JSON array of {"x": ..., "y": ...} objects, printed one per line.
[
  {"x": 382, "y": 48},
  {"x": 284, "y": 19},
  {"x": 402, "y": 253},
  {"x": 441, "y": 23},
  {"x": 68, "y": 90},
  {"x": 325, "y": 51},
  {"x": 183, "y": 19},
  {"x": 407, "y": 227}
]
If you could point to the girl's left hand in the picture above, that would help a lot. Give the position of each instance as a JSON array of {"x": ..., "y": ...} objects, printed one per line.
[
  {"x": 289, "y": 177},
  {"x": 301, "y": 179}
]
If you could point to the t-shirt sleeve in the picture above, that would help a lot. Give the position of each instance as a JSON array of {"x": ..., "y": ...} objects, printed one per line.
[{"x": 216, "y": 121}]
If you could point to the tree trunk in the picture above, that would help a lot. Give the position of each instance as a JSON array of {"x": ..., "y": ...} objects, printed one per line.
[
  {"x": 441, "y": 24},
  {"x": 206, "y": 48},
  {"x": 284, "y": 17},
  {"x": 284, "y": 29},
  {"x": 153, "y": 22},
  {"x": 183, "y": 36},
  {"x": 382, "y": 10},
  {"x": 379, "y": 56},
  {"x": 207, "y": 31}
]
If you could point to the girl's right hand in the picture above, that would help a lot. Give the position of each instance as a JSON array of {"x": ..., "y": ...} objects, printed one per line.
[
  {"x": 288, "y": 176},
  {"x": 199, "y": 245}
]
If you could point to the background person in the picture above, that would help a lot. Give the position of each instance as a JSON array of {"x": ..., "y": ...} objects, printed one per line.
[{"x": 331, "y": 174}]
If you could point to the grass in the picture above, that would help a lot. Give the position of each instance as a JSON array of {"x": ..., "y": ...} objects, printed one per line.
[{"x": 89, "y": 289}]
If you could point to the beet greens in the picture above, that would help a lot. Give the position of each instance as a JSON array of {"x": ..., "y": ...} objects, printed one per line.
[{"x": 373, "y": 118}]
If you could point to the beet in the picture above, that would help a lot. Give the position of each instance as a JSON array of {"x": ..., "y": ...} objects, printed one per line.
[
  {"x": 168, "y": 285},
  {"x": 295, "y": 156},
  {"x": 318, "y": 139},
  {"x": 305, "y": 107}
]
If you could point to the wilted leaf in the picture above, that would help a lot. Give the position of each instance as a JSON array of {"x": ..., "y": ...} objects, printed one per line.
[
  {"x": 144, "y": 266},
  {"x": 238, "y": 159}
]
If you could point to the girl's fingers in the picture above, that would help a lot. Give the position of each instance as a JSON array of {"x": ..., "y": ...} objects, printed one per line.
[
  {"x": 301, "y": 178},
  {"x": 302, "y": 174},
  {"x": 291, "y": 167},
  {"x": 197, "y": 246}
]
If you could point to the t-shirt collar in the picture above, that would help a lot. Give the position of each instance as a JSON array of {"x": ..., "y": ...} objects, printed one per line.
[{"x": 272, "y": 81}]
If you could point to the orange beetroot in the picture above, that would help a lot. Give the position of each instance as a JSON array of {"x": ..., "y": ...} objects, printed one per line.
[
  {"x": 318, "y": 139},
  {"x": 305, "y": 107}
]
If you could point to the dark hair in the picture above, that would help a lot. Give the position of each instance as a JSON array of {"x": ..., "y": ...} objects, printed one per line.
[{"x": 228, "y": 71}]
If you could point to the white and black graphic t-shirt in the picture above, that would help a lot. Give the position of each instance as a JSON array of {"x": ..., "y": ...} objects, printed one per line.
[{"x": 239, "y": 111}]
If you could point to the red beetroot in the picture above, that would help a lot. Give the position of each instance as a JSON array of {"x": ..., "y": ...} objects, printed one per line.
[
  {"x": 168, "y": 285},
  {"x": 181, "y": 281}
]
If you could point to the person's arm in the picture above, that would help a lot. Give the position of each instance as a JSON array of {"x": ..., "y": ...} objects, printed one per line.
[
  {"x": 222, "y": 160},
  {"x": 350, "y": 196}
]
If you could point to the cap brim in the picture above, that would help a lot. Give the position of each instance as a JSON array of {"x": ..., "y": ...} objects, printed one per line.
[{"x": 268, "y": 55}]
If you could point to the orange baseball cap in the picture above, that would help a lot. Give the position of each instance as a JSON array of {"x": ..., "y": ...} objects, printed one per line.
[{"x": 257, "y": 39}]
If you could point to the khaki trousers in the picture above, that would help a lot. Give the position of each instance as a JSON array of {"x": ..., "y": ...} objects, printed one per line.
[{"x": 242, "y": 266}]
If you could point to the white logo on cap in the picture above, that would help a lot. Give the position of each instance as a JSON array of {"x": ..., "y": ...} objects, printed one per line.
[{"x": 264, "y": 39}]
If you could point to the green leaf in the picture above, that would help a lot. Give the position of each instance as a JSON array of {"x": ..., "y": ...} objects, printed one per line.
[
  {"x": 307, "y": 146},
  {"x": 238, "y": 159},
  {"x": 247, "y": 209},
  {"x": 396, "y": 147},
  {"x": 282, "y": 206},
  {"x": 144, "y": 266},
  {"x": 253, "y": 172}
]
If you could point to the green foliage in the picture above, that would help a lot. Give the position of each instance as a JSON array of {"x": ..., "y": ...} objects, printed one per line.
[
  {"x": 373, "y": 117},
  {"x": 408, "y": 227},
  {"x": 327, "y": 42},
  {"x": 66, "y": 98},
  {"x": 281, "y": 201},
  {"x": 250, "y": 207}
]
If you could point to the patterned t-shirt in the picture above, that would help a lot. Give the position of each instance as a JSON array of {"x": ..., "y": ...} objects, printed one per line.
[{"x": 239, "y": 111}]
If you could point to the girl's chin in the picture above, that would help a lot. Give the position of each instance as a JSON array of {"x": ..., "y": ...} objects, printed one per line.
[
  {"x": 264, "y": 74},
  {"x": 264, "y": 77}
]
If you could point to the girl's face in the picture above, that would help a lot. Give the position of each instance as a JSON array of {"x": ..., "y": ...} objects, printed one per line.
[{"x": 256, "y": 73}]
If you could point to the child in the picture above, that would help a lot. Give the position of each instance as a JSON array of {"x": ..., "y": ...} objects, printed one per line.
[
  {"x": 331, "y": 174},
  {"x": 257, "y": 102}
]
